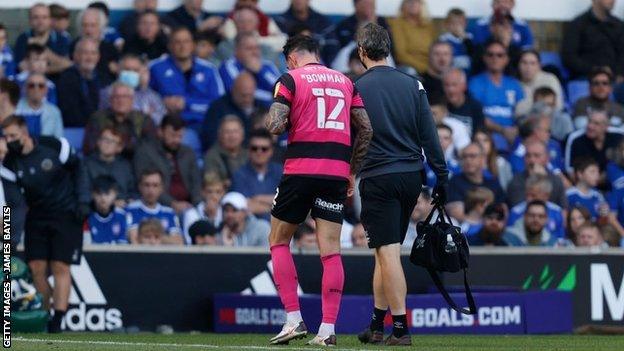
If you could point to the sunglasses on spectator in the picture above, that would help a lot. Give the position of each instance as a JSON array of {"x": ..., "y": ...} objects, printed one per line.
[
  {"x": 36, "y": 85},
  {"x": 496, "y": 54},
  {"x": 255, "y": 148},
  {"x": 603, "y": 83}
]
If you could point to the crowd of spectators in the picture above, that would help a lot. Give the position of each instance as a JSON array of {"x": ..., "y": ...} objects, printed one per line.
[{"x": 172, "y": 106}]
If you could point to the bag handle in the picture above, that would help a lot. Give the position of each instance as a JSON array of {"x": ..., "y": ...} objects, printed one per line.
[{"x": 472, "y": 308}]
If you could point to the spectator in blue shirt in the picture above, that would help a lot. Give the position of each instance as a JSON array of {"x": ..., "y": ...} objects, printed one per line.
[
  {"x": 536, "y": 128},
  {"x": 491, "y": 233},
  {"x": 36, "y": 62},
  {"x": 475, "y": 203},
  {"x": 42, "y": 117},
  {"x": 615, "y": 168},
  {"x": 445, "y": 134},
  {"x": 60, "y": 19},
  {"x": 107, "y": 223},
  {"x": 7, "y": 61},
  {"x": 188, "y": 84},
  {"x": 247, "y": 57},
  {"x": 531, "y": 228},
  {"x": 498, "y": 94},
  {"x": 258, "y": 179},
  {"x": 522, "y": 35},
  {"x": 538, "y": 188},
  {"x": 459, "y": 38},
  {"x": 584, "y": 193},
  {"x": 41, "y": 32},
  {"x": 151, "y": 188}
]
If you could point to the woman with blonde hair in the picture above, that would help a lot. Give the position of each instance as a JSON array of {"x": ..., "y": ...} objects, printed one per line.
[{"x": 412, "y": 33}]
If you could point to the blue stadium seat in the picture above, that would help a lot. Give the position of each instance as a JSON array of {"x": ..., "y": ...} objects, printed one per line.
[
  {"x": 74, "y": 136},
  {"x": 577, "y": 89},
  {"x": 191, "y": 139},
  {"x": 552, "y": 58}
]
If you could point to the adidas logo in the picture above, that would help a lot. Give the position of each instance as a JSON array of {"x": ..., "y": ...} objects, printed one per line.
[
  {"x": 262, "y": 284},
  {"x": 88, "y": 306}
]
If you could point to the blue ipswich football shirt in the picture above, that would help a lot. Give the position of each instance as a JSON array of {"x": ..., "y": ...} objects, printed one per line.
[
  {"x": 615, "y": 176},
  {"x": 556, "y": 165},
  {"x": 555, "y": 219},
  {"x": 521, "y": 36},
  {"x": 110, "y": 229},
  {"x": 589, "y": 201},
  {"x": 616, "y": 203},
  {"x": 136, "y": 212}
]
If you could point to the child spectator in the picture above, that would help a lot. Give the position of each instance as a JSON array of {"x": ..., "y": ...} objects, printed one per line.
[
  {"x": 209, "y": 209},
  {"x": 545, "y": 103},
  {"x": 107, "y": 160},
  {"x": 60, "y": 19},
  {"x": 589, "y": 235},
  {"x": 206, "y": 45},
  {"x": 203, "y": 232},
  {"x": 476, "y": 201},
  {"x": 584, "y": 193},
  {"x": 151, "y": 232},
  {"x": 36, "y": 61},
  {"x": 461, "y": 40},
  {"x": 107, "y": 223},
  {"x": 7, "y": 61}
]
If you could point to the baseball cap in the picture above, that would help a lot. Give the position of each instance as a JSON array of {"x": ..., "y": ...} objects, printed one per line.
[
  {"x": 236, "y": 200},
  {"x": 201, "y": 228},
  {"x": 495, "y": 210}
]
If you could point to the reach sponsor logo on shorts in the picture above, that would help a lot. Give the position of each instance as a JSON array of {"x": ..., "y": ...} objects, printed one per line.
[{"x": 320, "y": 203}]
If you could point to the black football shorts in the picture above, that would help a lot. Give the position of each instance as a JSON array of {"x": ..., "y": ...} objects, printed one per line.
[
  {"x": 58, "y": 239},
  {"x": 388, "y": 201},
  {"x": 323, "y": 198}
]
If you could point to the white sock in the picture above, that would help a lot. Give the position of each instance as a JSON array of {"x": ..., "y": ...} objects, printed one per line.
[
  {"x": 294, "y": 317},
  {"x": 326, "y": 330}
]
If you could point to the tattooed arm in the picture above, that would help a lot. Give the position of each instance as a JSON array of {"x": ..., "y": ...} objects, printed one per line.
[
  {"x": 360, "y": 121},
  {"x": 278, "y": 118}
]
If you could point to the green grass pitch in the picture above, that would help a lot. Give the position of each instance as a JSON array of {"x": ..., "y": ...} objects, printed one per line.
[{"x": 195, "y": 342}]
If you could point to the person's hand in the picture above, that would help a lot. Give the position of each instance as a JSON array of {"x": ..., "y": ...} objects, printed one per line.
[
  {"x": 351, "y": 188},
  {"x": 439, "y": 194},
  {"x": 174, "y": 104},
  {"x": 210, "y": 23},
  {"x": 538, "y": 169}
]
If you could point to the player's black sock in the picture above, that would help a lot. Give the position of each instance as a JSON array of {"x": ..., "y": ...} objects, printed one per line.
[
  {"x": 55, "y": 323},
  {"x": 399, "y": 325},
  {"x": 377, "y": 321}
]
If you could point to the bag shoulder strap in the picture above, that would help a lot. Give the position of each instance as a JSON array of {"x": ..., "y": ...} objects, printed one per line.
[{"x": 471, "y": 304}]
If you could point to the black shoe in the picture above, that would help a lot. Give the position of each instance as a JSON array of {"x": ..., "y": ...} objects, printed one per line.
[
  {"x": 371, "y": 337},
  {"x": 53, "y": 327}
]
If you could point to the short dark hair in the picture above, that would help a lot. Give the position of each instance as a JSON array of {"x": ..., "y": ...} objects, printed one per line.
[
  {"x": 456, "y": 11},
  {"x": 531, "y": 52},
  {"x": 491, "y": 43},
  {"x": 58, "y": 11},
  {"x": 301, "y": 43},
  {"x": 148, "y": 12},
  {"x": 177, "y": 29},
  {"x": 100, "y": 5},
  {"x": 103, "y": 184},
  {"x": 437, "y": 99},
  {"x": 210, "y": 36},
  {"x": 2, "y": 27},
  {"x": 261, "y": 133},
  {"x": 543, "y": 91},
  {"x": 527, "y": 127},
  {"x": 10, "y": 88},
  {"x": 150, "y": 171},
  {"x": 598, "y": 70},
  {"x": 175, "y": 121},
  {"x": 374, "y": 41},
  {"x": 582, "y": 163},
  {"x": 537, "y": 203},
  {"x": 298, "y": 29},
  {"x": 14, "y": 120},
  {"x": 36, "y": 49}
]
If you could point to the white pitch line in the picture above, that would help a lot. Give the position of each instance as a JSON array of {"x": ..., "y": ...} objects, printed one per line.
[{"x": 165, "y": 345}]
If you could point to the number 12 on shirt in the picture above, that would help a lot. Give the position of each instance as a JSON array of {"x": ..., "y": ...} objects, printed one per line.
[{"x": 324, "y": 121}]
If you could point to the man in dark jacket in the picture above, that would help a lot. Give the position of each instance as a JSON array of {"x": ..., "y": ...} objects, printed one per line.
[
  {"x": 79, "y": 86},
  {"x": 177, "y": 163},
  {"x": 595, "y": 38}
]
